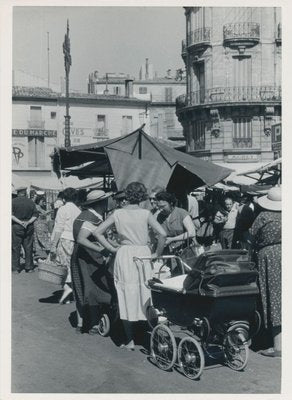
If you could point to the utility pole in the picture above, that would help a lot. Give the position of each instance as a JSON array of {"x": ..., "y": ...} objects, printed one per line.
[
  {"x": 67, "y": 63},
  {"x": 48, "y": 42}
]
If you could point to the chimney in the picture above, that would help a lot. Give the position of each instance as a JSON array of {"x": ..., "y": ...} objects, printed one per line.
[
  {"x": 147, "y": 69},
  {"x": 169, "y": 74},
  {"x": 129, "y": 87}
]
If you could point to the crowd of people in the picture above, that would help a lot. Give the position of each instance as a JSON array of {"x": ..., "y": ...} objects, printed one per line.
[{"x": 96, "y": 236}]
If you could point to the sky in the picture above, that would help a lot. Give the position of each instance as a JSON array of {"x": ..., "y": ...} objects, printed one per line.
[{"x": 107, "y": 39}]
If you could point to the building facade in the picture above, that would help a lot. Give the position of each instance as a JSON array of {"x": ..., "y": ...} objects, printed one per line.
[
  {"x": 161, "y": 92},
  {"x": 38, "y": 124},
  {"x": 233, "y": 70}
]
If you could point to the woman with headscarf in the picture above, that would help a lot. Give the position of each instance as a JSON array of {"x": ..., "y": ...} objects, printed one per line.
[
  {"x": 92, "y": 282},
  {"x": 132, "y": 224},
  {"x": 266, "y": 233}
]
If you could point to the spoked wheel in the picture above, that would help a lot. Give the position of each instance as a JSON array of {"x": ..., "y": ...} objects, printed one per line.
[
  {"x": 256, "y": 324},
  {"x": 104, "y": 325},
  {"x": 163, "y": 347},
  {"x": 191, "y": 357},
  {"x": 235, "y": 349}
]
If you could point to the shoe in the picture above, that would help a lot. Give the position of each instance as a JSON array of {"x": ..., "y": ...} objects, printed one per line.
[
  {"x": 29, "y": 271},
  {"x": 78, "y": 330},
  {"x": 271, "y": 353},
  {"x": 16, "y": 272},
  {"x": 93, "y": 331},
  {"x": 128, "y": 348},
  {"x": 65, "y": 302}
]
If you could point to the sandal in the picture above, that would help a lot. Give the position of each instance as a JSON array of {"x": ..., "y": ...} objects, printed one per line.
[{"x": 271, "y": 353}]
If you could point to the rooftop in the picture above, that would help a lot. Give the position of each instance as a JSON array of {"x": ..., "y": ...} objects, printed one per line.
[
  {"x": 166, "y": 80},
  {"x": 43, "y": 92}
]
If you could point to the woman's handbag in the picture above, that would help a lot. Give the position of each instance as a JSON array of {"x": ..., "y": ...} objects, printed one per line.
[
  {"x": 206, "y": 230},
  {"x": 49, "y": 271},
  {"x": 190, "y": 253}
]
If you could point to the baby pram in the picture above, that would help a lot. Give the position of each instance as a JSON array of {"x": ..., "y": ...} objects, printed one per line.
[{"x": 213, "y": 303}]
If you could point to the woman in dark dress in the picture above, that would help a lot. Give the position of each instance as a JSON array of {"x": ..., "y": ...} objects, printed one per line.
[
  {"x": 92, "y": 280},
  {"x": 266, "y": 233}
]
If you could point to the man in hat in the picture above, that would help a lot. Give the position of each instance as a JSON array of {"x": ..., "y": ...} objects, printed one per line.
[{"x": 24, "y": 213}]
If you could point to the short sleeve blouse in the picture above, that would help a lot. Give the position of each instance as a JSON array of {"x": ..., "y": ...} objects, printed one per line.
[{"x": 173, "y": 224}]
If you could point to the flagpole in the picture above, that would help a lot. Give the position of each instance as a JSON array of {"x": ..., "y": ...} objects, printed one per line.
[{"x": 67, "y": 62}]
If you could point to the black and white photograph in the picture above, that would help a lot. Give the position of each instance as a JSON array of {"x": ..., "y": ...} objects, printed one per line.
[{"x": 144, "y": 170}]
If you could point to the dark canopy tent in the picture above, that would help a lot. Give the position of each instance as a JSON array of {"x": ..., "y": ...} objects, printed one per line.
[{"x": 139, "y": 157}]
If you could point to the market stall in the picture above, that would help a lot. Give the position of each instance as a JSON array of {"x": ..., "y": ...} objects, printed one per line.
[{"x": 138, "y": 157}]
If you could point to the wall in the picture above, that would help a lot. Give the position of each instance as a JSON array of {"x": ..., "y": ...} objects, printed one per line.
[
  {"x": 223, "y": 71},
  {"x": 83, "y": 127},
  {"x": 84, "y": 122},
  {"x": 21, "y": 128}
]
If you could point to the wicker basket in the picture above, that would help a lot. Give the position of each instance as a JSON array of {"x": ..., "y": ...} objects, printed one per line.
[{"x": 51, "y": 272}]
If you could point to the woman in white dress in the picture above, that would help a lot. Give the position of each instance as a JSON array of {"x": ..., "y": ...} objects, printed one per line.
[{"x": 132, "y": 224}]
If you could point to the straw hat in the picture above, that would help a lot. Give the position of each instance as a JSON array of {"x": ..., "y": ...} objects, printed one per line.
[
  {"x": 273, "y": 200},
  {"x": 95, "y": 196}
]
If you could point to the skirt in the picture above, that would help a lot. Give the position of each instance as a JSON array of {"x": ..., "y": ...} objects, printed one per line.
[
  {"x": 130, "y": 277},
  {"x": 63, "y": 256},
  {"x": 270, "y": 282}
]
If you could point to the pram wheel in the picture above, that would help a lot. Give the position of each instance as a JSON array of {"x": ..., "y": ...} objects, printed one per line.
[
  {"x": 235, "y": 349},
  {"x": 163, "y": 347},
  {"x": 191, "y": 358},
  {"x": 104, "y": 325}
]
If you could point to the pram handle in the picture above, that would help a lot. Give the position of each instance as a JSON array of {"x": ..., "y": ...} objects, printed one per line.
[{"x": 183, "y": 266}]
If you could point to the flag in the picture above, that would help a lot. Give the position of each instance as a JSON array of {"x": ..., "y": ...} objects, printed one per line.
[{"x": 66, "y": 50}]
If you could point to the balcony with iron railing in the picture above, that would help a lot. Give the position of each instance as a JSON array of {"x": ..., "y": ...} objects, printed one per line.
[
  {"x": 199, "y": 145},
  {"x": 199, "y": 38},
  {"x": 235, "y": 94},
  {"x": 36, "y": 124},
  {"x": 241, "y": 34},
  {"x": 242, "y": 143},
  {"x": 183, "y": 48}
]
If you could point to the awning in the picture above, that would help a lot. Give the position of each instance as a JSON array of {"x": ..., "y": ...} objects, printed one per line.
[
  {"x": 139, "y": 157},
  {"x": 53, "y": 183}
]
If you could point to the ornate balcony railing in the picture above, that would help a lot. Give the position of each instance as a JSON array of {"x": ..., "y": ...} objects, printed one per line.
[
  {"x": 36, "y": 124},
  {"x": 242, "y": 143},
  {"x": 230, "y": 95},
  {"x": 241, "y": 33},
  {"x": 183, "y": 47},
  {"x": 199, "y": 37},
  {"x": 199, "y": 145}
]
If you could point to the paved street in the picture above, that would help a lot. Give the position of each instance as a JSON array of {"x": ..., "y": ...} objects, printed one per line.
[{"x": 49, "y": 357}]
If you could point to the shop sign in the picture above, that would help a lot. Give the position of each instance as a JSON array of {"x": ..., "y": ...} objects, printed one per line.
[
  {"x": 277, "y": 133},
  {"x": 242, "y": 157},
  {"x": 34, "y": 133},
  {"x": 277, "y": 137},
  {"x": 277, "y": 146}
]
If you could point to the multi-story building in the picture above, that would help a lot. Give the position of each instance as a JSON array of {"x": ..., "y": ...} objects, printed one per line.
[
  {"x": 38, "y": 124},
  {"x": 233, "y": 65},
  {"x": 160, "y": 91}
]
